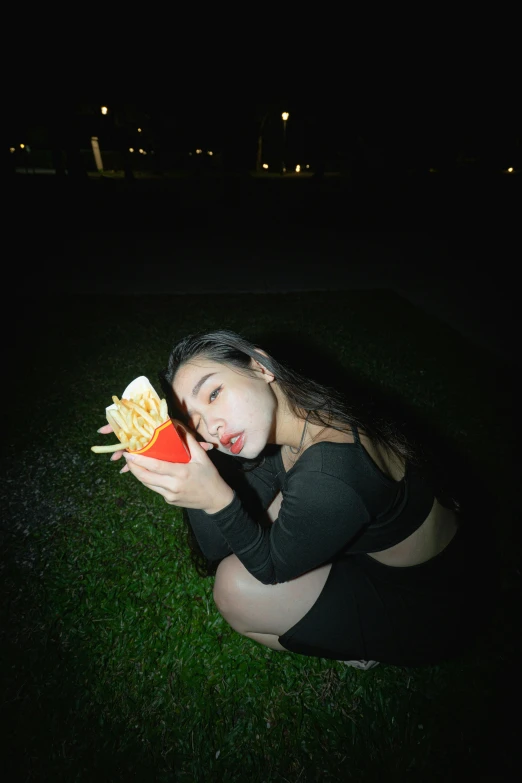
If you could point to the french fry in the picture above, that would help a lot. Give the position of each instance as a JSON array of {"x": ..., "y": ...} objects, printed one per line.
[
  {"x": 164, "y": 413},
  {"x": 108, "y": 449},
  {"x": 134, "y": 406},
  {"x": 118, "y": 419},
  {"x": 141, "y": 429}
]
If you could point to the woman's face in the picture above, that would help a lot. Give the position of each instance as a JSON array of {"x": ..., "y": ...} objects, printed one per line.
[{"x": 223, "y": 404}]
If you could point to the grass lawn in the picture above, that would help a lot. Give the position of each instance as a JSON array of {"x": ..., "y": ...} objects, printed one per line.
[{"x": 116, "y": 665}]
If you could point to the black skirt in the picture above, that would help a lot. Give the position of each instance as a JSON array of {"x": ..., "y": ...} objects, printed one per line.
[{"x": 409, "y": 616}]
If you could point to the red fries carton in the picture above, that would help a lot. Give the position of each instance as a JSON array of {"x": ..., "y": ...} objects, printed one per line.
[{"x": 165, "y": 443}]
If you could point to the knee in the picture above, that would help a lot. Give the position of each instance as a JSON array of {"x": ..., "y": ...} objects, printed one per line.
[
  {"x": 227, "y": 584},
  {"x": 223, "y": 582}
]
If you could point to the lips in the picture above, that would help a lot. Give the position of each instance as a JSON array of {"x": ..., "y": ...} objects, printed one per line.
[
  {"x": 225, "y": 440},
  {"x": 236, "y": 447}
]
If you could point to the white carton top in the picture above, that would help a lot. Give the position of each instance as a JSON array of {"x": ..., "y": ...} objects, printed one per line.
[{"x": 137, "y": 386}]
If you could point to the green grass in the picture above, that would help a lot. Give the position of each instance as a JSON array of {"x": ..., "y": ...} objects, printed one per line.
[{"x": 116, "y": 663}]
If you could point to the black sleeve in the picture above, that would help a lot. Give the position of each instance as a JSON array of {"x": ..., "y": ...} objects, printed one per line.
[
  {"x": 255, "y": 489},
  {"x": 319, "y": 516}
]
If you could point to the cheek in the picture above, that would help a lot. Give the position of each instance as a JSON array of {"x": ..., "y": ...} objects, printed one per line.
[{"x": 260, "y": 409}]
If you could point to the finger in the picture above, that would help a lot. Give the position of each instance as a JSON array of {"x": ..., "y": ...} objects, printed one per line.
[
  {"x": 117, "y": 455},
  {"x": 105, "y": 429},
  {"x": 150, "y": 480},
  {"x": 196, "y": 446},
  {"x": 163, "y": 492},
  {"x": 205, "y": 446},
  {"x": 150, "y": 464},
  {"x": 144, "y": 477}
]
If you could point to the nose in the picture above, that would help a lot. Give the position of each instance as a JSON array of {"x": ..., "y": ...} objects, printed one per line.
[{"x": 216, "y": 433}]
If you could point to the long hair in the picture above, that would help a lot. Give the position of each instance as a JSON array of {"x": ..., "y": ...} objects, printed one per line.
[{"x": 321, "y": 404}]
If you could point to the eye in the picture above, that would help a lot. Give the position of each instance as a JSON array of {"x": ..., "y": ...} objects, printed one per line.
[{"x": 211, "y": 398}]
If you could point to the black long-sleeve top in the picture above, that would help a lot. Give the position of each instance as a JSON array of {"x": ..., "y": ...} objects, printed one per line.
[{"x": 335, "y": 501}]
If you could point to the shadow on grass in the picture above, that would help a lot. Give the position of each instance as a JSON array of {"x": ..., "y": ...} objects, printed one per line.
[{"x": 456, "y": 474}]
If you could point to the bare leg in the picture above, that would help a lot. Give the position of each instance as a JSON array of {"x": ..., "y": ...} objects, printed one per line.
[
  {"x": 259, "y": 610},
  {"x": 267, "y": 639}
]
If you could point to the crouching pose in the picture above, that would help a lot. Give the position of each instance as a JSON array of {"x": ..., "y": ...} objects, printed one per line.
[{"x": 321, "y": 525}]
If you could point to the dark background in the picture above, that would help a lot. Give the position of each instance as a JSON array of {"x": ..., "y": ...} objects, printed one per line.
[{"x": 408, "y": 192}]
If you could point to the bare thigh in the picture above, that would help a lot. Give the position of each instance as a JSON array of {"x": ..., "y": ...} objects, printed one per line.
[{"x": 249, "y": 606}]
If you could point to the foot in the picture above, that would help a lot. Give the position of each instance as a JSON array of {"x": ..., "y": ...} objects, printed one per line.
[{"x": 364, "y": 665}]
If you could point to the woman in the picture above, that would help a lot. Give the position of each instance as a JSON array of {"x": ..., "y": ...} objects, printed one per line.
[{"x": 322, "y": 524}]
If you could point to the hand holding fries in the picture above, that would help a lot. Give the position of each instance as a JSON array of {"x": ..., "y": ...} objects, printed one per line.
[{"x": 196, "y": 484}]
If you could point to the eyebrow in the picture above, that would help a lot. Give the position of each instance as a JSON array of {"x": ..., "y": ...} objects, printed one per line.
[
  {"x": 199, "y": 384},
  {"x": 197, "y": 387}
]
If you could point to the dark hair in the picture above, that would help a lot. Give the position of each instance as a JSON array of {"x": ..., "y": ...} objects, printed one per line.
[{"x": 322, "y": 404}]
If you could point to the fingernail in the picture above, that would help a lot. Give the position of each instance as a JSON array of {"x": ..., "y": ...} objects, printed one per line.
[
  {"x": 113, "y": 457},
  {"x": 99, "y": 429},
  {"x": 123, "y": 469}
]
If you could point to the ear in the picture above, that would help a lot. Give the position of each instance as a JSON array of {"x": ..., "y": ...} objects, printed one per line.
[{"x": 256, "y": 365}]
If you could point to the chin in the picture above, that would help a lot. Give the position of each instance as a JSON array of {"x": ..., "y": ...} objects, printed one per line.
[{"x": 250, "y": 452}]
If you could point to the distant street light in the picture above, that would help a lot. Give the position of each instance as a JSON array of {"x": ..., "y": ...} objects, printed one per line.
[
  {"x": 104, "y": 110},
  {"x": 284, "y": 117}
]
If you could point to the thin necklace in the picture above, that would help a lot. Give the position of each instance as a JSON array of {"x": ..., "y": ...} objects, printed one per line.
[{"x": 296, "y": 451}]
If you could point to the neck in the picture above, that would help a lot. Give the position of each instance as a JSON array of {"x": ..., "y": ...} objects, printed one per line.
[{"x": 298, "y": 449}]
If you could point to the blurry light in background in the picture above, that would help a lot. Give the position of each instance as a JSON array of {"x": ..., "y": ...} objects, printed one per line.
[
  {"x": 96, "y": 152},
  {"x": 307, "y": 165},
  {"x": 298, "y": 168},
  {"x": 144, "y": 152},
  {"x": 140, "y": 151},
  {"x": 285, "y": 116},
  {"x": 433, "y": 171},
  {"x": 11, "y": 149},
  {"x": 510, "y": 170},
  {"x": 198, "y": 152},
  {"x": 265, "y": 165},
  {"x": 22, "y": 146},
  {"x": 210, "y": 152},
  {"x": 139, "y": 130},
  {"x": 104, "y": 110},
  {"x": 131, "y": 149}
]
